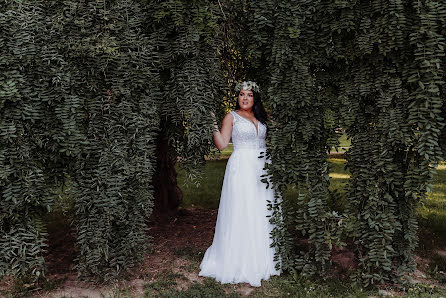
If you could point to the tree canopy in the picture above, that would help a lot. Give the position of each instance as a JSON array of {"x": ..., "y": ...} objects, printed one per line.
[{"x": 86, "y": 88}]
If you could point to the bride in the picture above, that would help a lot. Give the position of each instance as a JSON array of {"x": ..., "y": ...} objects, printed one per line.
[{"x": 240, "y": 251}]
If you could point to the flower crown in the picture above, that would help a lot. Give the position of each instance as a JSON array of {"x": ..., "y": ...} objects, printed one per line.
[{"x": 247, "y": 85}]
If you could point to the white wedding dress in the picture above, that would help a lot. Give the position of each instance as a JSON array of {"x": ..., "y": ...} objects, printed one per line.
[{"x": 240, "y": 251}]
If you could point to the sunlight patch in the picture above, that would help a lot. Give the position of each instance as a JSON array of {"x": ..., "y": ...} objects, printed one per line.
[
  {"x": 339, "y": 176},
  {"x": 442, "y": 166}
]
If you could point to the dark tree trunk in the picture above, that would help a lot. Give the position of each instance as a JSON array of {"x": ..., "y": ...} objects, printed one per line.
[{"x": 168, "y": 196}]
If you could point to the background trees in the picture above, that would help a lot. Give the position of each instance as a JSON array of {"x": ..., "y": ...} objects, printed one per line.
[{"x": 109, "y": 94}]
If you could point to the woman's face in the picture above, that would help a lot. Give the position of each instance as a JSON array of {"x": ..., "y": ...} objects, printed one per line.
[{"x": 246, "y": 99}]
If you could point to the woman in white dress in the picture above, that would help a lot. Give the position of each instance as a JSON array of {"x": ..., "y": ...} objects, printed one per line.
[{"x": 240, "y": 251}]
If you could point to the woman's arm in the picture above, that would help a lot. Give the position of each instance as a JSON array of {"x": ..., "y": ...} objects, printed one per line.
[{"x": 222, "y": 137}]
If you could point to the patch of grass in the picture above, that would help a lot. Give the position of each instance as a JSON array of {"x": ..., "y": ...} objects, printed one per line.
[
  {"x": 437, "y": 267},
  {"x": 207, "y": 195},
  {"x": 432, "y": 217},
  {"x": 191, "y": 267},
  {"x": 27, "y": 285},
  {"x": 210, "y": 288},
  {"x": 190, "y": 253},
  {"x": 286, "y": 286},
  {"x": 438, "y": 262},
  {"x": 165, "y": 281},
  {"x": 425, "y": 290},
  {"x": 164, "y": 287},
  {"x": 338, "y": 183},
  {"x": 344, "y": 143},
  {"x": 120, "y": 293},
  {"x": 227, "y": 151}
]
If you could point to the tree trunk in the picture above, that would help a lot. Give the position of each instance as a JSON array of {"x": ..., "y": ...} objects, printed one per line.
[{"x": 168, "y": 196}]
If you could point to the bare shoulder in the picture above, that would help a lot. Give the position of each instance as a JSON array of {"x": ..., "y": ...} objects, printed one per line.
[
  {"x": 226, "y": 125},
  {"x": 228, "y": 117}
]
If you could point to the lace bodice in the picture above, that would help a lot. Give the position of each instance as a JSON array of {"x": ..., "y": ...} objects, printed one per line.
[{"x": 245, "y": 135}]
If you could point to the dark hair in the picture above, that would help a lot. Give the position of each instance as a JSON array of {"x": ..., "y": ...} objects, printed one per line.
[{"x": 258, "y": 109}]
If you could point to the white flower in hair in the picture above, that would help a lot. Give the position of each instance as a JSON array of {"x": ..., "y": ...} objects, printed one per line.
[{"x": 247, "y": 85}]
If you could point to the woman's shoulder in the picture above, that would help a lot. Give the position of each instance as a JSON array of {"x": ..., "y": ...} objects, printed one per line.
[
  {"x": 231, "y": 114},
  {"x": 229, "y": 117}
]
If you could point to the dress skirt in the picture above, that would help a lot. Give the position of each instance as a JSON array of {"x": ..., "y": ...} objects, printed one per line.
[{"x": 240, "y": 251}]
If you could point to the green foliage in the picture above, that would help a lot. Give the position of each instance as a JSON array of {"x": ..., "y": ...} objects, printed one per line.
[
  {"x": 85, "y": 89},
  {"x": 389, "y": 88},
  {"x": 376, "y": 69},
  {"x": 88, "y": 80},
  {"x": 113, "y": 172},
  {"x": 24, "y": 195},
  {"x": 21, "y": 249},
  {"x": 187, "y": 40}
]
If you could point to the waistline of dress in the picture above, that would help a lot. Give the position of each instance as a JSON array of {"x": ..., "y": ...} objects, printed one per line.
[{"x": 244, "y": 147}]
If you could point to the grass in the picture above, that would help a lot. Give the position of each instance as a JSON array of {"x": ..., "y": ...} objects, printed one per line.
[
  {"x": 433, "y": 212},
  {"x": 344, "y": 142},
  {"x": 23, "y": 287},
  {"x": 166, "y": 286},
  {"x": 227, "y": 151},
  {"x": 207, "y": 195},
  {"x": 276, "y": 286},
  {"x": 190, "y": 253},
  {"x": 432, "y": 221},
  {"x": 283, "y": 286}
]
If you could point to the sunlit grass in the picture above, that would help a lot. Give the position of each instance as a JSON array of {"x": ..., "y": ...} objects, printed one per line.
[
  {"x": 433, "y": 211},
  {"x": 227, "y": 151},
  {"x": 344, "y": 143}
]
